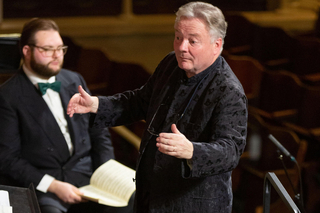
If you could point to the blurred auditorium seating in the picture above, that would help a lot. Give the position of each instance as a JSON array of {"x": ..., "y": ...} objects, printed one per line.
[
  {"x": 306, "y": 56},
  {"x": 9, "y": 56},
  {"x": 306, "y": 122},
  {"x": 279, "y": 95},
  {"x": 103, "y": 76},
  {"x": 290, "y": 67},
  {"x": 107, "y": 77},
  {"x": 248, "y": 177},
  {"x": 5, "y": 75},
  {"x": 273, "y": 47},
  {"x": 240, "y": 35},
  {"x": 286, "y": 99},
  {"x": 308, "y": 115},
  {"x": 249, "y": 72},
  {"x": 311, "y": 185}
]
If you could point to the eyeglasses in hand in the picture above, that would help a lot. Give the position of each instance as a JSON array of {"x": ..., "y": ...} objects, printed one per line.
[
  {"x": 151, "y": 129},
  {"x": 177, "y": 117}
]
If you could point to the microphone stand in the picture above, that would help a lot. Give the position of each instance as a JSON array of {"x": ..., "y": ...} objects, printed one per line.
[{"x": 297, "y": 196}]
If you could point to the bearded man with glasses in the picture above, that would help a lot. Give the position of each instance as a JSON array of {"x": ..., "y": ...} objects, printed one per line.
[
  {"x": 196, "y": 115},
  {"x": 39, "y": 143}
]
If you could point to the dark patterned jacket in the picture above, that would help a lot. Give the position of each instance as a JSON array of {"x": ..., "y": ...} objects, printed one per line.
[{"x": 215, "y": 121}]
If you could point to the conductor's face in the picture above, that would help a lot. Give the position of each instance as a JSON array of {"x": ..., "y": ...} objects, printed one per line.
[
  {"x": 193, "y": 47},
  {"x": 45, "y": 57}
]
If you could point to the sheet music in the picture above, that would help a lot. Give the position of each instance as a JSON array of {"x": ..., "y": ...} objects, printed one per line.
[
  {"x": 5, "y": 202},
  {"x": 111, "y": 184}
]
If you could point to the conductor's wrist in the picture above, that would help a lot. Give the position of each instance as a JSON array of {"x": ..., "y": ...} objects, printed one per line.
[{"x": 95, "y": 104}]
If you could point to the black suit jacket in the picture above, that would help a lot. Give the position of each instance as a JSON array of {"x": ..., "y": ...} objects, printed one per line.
[{"x": 31, "y": 143}]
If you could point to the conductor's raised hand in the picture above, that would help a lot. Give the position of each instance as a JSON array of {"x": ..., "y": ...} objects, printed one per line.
[
  {"x": 175, "y": 144},
  {"x": 82, "y": 102}
]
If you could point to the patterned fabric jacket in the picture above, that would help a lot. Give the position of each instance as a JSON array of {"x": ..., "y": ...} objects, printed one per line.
[{"x": 215, "y": 121}]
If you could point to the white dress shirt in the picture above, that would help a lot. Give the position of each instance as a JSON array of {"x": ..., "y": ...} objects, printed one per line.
[{"x": 52, "y": 98}]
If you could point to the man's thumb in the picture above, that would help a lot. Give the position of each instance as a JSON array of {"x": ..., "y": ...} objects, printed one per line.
[
  {"x": 82, "y": 92},
  {"x": 174, "y": 129}
]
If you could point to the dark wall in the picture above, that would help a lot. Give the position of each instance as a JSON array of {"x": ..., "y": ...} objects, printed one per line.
[{"x": 65, "y": 8}]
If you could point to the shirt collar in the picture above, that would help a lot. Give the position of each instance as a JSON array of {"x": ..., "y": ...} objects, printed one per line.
[
  {"x": 35, "y": 79},
  {"x": 198, "y": 77}
]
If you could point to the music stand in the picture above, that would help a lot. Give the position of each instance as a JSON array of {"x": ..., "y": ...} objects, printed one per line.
[
  {"x": 272, "y": 179},
  {"x": 21, "y": 199}
]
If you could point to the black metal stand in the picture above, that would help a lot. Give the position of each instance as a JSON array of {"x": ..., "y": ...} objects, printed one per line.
[
  {"x": 298, "y": 197},
  {"x": 272, "y": 180}
]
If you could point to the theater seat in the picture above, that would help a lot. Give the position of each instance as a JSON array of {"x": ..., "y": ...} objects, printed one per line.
[{"x": 106, "y": 77}]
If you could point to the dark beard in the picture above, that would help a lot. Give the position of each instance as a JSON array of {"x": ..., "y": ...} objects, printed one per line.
[{"x": 43, "y": 70}]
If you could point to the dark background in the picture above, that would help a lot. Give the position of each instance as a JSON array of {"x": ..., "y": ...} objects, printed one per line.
[{"x": 65, "y": 8}]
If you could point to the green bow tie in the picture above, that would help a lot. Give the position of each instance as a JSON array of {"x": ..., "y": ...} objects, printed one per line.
[{"x": 54, "y": 86}]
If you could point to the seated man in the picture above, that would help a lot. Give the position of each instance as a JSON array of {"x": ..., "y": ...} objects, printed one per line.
[{"x": 39, "y": 144}]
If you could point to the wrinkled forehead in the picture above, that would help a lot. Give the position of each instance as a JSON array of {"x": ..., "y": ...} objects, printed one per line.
[
  {"x": 191, "y": 26},
  {"x": 190, "y": 22}
]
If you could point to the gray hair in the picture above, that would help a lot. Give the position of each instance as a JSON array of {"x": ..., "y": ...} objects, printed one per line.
[{"x": 212, "y": 16}]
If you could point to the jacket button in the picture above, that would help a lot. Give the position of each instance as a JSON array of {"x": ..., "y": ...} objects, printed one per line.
[{"x": 50, "y": 149}]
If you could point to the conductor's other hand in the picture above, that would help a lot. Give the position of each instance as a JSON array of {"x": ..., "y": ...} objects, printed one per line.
[
  {"x": 82, "y": 102},
  {"x": 175, "y": 144}
]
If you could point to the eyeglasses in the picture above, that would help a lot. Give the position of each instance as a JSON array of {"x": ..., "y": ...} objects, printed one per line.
[
  {"x": 177, "y": 117},
  {"x": 150, "y": 128},
  {"x": 49, "y": 52}
]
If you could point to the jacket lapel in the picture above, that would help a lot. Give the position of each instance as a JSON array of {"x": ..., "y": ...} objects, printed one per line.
[
  {"x": 67, "y": 90},
  {"x": 39, "y": 110}
]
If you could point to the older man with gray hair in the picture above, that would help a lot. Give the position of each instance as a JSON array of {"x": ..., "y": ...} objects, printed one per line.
[{"x": 196, "y": 116}]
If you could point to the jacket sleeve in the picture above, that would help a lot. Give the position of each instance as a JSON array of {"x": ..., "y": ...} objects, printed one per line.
[
  {"x": 12, "y": 163},
  {"x": 123, "y": 108},
  {"x": 102, "y": 149},
  {"x": 227, "y": 131},
  {"x": 131, "y": 106}
]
